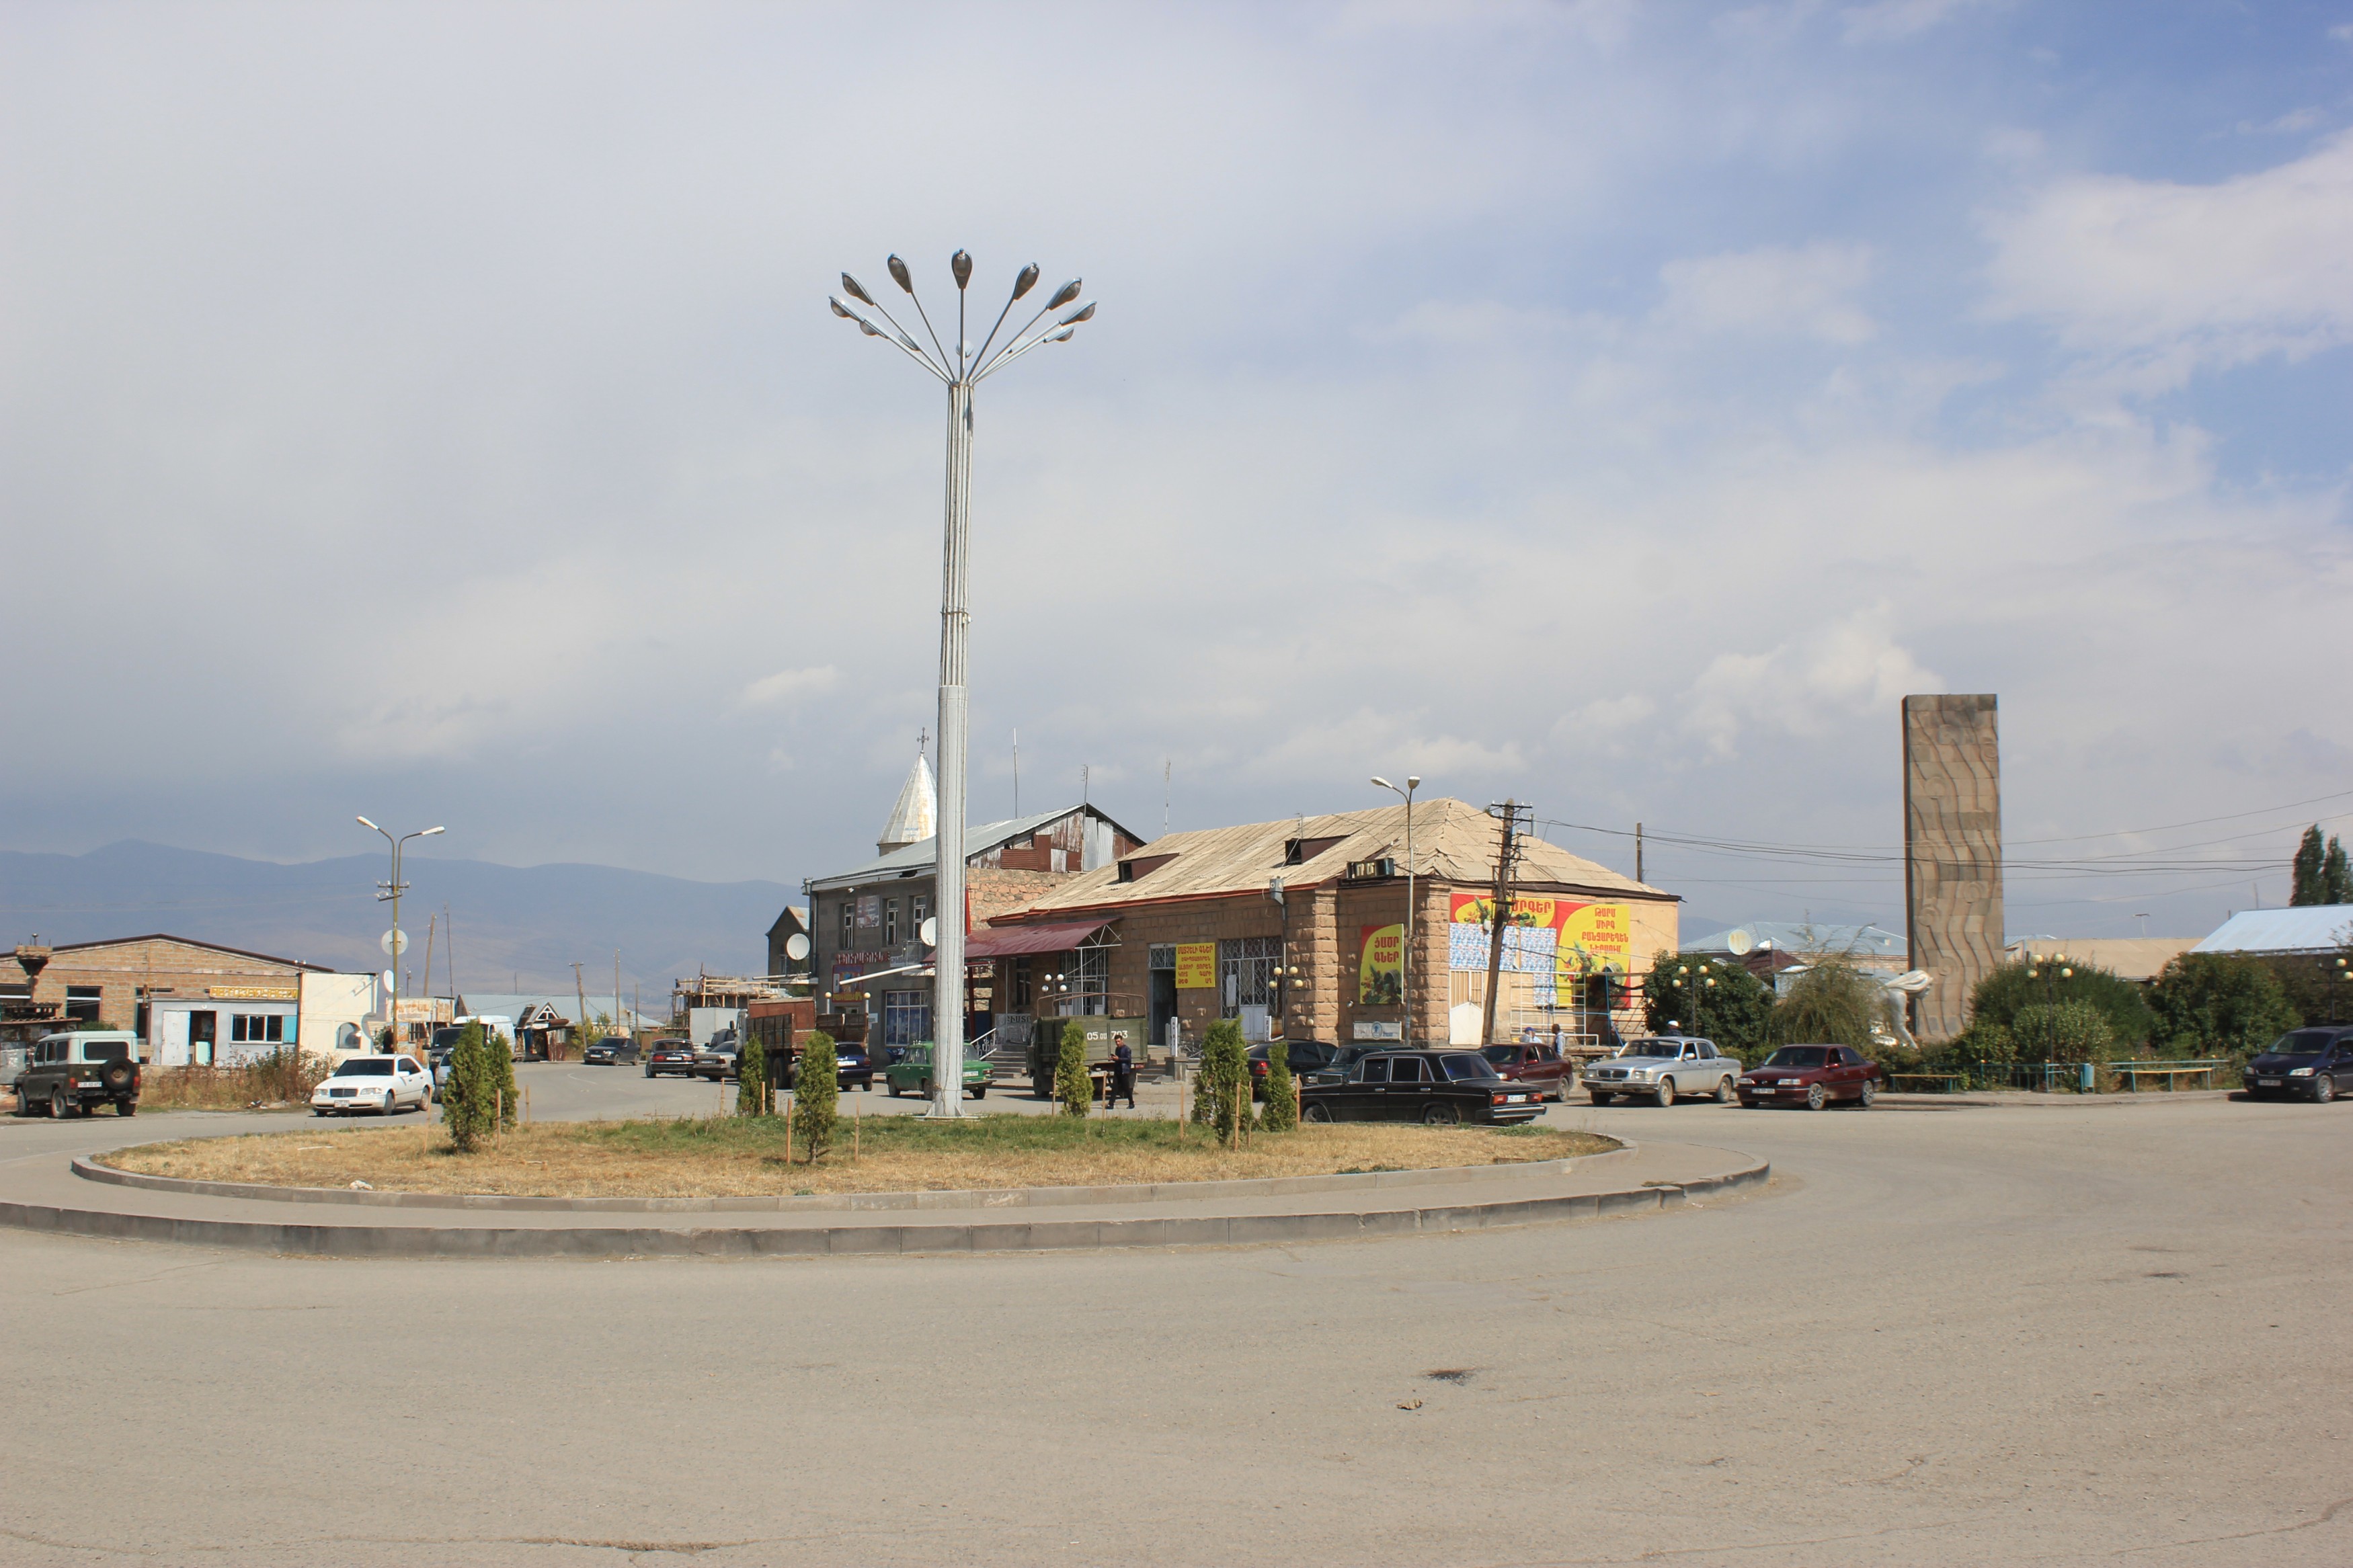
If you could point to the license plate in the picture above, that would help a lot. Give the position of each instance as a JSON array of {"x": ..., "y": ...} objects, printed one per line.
[{"x": 2267, "y": 1083}]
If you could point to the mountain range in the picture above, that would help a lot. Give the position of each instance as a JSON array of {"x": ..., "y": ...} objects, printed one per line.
[{"x": 513, "y": 927}]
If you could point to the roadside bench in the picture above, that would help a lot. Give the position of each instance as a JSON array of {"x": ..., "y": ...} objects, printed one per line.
[
  {"x": 1946, "y": 1082},
  {"x": 2131, "y": 1073}
]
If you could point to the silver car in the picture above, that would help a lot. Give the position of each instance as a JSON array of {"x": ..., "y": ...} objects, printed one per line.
[{"x": 1665, "y": 1070}]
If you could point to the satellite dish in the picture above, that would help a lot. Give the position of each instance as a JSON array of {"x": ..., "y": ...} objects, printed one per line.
[
  {"x": 1737, "y": 940},
  {"x": 931, "y": 932},
  {"x": 796, "y": 947},
  {"x": 387, "y": 980},
  {"x": 395, "y": 942}
]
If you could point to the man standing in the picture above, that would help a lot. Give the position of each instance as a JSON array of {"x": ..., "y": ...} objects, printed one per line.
[{"x": 1123, "y": 1075}]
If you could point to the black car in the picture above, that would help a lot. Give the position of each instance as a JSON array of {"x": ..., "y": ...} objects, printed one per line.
[
  {"x": 1442, "y": 1088},
  {"x": 851, "y": 1067},
  {"x": 2315, "y": 1064},
  {"x": 1343, "y": 1058},
  {"x": 1306, "y": 1057},
  {"x": 670, "y": 1056},
  {"x": 611, "y": 1051}
]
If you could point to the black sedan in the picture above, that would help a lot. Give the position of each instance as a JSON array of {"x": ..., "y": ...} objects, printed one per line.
[
  {"x": 2309, "y": 1064},
  {"x": 613, "y": 1050},
  {"x": 852, "y": 1069},
  {"x": 1440, "y": 1088},
  {"x": 1304, "y": 1057},
  {"x": 670, "y": 1056}
]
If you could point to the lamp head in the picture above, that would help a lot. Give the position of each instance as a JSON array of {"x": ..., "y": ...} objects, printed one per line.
[
  {"x": 1413, "y": 781},
  {"x": 431, "y": 831},
  {"x": 1026, "y": 282},
  {"x": 1064, "y": 295},
  {"x": 841, "y": 310},
  {"x": 899, "y": 273},
  {"x": 371, "y": 827},
  {"x": 851, "y": 286},
  {"x": 1383, "y": 783},
  {"x": 961, "y": 265},
  {"x": 1085, "y": 313}
]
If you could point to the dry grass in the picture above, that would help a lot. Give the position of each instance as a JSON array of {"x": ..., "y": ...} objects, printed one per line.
[
  {"x": 729, "y": 1156},
  {"x": 280, "y": 1079}
]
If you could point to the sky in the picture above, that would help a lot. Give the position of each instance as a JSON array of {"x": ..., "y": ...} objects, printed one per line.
[{"x": 433, "y": 412}]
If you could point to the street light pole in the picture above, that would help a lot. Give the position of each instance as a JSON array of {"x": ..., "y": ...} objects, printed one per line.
[
  {"x": 392, "y": 890},
  {"x": 959, "y": 372},
  {"x": 1412, "y": 908}
]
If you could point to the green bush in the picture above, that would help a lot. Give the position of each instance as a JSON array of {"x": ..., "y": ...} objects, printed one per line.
[
  {"x": 507, "y": 1103},
  {"x": 1831, "y": 1004},
  {"x": 817, "y": 1094},
  {"x": 1072, "y": 1087},
  {"x": 2063, "y": 1032},
  {"x": 1980, "y": 1045},
  {"x": 469, "y": 1097},
  {"x": 1282, "y": 1114},
  {"x": 754, "y": 1095},
  {"x": 1224, "y": 1081},
  {"x": 1732, "y": 1012},
  {"x": 2219, "y": 1004},
  {"x": 2043, "y": 982}
]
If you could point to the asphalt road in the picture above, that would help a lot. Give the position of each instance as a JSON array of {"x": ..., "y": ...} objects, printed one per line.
[{"x": 2052, "y": 1334}]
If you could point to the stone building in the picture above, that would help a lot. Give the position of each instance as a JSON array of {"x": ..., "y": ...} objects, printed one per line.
[
  {"x": 191, "y": 1003},
  {"x": 1186, "y": 930},
  {"x": 1952, "y": 853}
]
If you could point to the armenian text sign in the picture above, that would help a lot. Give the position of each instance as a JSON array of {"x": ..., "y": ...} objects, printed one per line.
[
  {"x": 1196, "y": 966},
  {"x": 1381, "y": 980}
]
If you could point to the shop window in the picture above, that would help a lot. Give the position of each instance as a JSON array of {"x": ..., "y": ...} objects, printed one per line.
[
  {"x": 1246, "y": 973},
  {"x": 81, "y": 1003},
  {"x": 1090, "y": 978},
  {"x": 257, "y": 1028},
  {"x": 906, "y": 1017}
]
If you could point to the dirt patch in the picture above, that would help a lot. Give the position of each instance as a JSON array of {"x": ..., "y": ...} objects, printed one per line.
[{"x": 735, "y": 1156}]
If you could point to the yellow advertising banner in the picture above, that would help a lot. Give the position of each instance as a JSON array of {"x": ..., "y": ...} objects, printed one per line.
[
  {"x": 1587, "y": 939},
  {"x": 254, "y": 993},
  {"x": 1380, "y": 979},
  {"x": 1196, "y": 966}
]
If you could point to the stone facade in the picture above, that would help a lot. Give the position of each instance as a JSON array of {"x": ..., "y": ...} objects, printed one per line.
[
  {"x": 1952, "y": 853},
  {"x": 124, "y": 975}
]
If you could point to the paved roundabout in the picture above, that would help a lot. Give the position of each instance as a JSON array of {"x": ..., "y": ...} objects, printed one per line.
[{"x": 2056, "y": 1332}]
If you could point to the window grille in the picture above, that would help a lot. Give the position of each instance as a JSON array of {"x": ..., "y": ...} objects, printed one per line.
[
  {"x": 1246, "y": 973},
  {"x": 1160, "y": 956}
]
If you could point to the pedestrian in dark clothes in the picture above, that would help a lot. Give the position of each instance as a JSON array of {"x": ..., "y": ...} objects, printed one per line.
[{"x": 1123, "y": 1075}]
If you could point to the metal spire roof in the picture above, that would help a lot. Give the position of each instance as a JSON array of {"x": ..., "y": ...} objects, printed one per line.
[{"x": 916, "y": 817}]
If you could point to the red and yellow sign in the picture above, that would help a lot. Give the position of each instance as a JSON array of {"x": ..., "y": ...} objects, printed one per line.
[
  {"x": 1380, "y": 978},
  {"x": 1196, "y": 966},
  {"x": 1588, "y": 938}
]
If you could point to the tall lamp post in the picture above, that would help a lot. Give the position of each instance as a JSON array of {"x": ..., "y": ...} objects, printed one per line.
[
  {"x": 392, "y": 890},
  {"x": 1412, "y": 908},
  {"x": 959, "y": 372}
]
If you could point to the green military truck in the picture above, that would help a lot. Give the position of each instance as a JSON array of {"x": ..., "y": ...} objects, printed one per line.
[
  {"x": 73, "y": 1073},
  {"x": 1103, "y": 1035}
]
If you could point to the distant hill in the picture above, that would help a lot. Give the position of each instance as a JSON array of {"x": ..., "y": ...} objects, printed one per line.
[{"x": 516, "y": 927}]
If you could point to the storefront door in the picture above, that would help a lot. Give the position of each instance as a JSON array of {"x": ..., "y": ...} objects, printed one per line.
[{"x": 203, "y": 1029}]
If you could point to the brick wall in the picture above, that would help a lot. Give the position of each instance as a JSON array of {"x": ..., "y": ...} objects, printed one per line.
[{"x": 183, "y": 971}]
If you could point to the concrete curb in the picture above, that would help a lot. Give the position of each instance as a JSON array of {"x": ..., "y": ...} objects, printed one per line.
[
  {"x": 778, "y": 1202},
  {"x": 970, "y": 1235}
]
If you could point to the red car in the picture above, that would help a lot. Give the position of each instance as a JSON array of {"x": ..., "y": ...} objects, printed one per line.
[
  {"x": 1539, "y": 1067},
  {"x": 1812, "y": 1075}
]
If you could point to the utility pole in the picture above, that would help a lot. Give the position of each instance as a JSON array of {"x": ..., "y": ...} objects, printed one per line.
[
  {"x": 1638, "y": 851},
  {"x": 616, "y": 995},
  {"x": 1511, "y": 812},
  {"x": 580, "y": 989}
]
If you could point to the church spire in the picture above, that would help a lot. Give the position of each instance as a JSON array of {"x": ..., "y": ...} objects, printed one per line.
[{"x": 917, "y": 816}]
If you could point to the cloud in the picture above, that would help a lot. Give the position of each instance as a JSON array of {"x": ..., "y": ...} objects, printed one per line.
[
  {"x": 1886, "y": 21},
  {"x": 788, "y": 686},
  {"x": 2161, "y": 279},
  {"x": 1851, "y": 667},
  {"x": 1774, "y": 289}
]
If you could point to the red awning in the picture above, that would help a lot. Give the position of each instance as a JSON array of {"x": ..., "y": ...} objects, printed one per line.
[{"x": 1007, "y": 942}]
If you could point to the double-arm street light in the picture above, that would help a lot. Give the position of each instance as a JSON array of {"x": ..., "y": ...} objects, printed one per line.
[
  {"x": 1413, "y": 909},
  {"x": 392, "y": 890},
  {"x": 960, "y": 372}
]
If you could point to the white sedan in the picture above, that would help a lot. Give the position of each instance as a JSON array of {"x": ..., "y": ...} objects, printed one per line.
[{"x": 381, "y": 1084}]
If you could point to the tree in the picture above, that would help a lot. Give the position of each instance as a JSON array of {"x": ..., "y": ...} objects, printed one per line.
[
  {"x": 468, "y": 1098},
  {"x": 754, "y": 1095},
  {"x": 2220, "y": 1004},
  {"x": 2062, "y": 1032},
  {"x": 817, "y": 1094},
  {"x": 2046, "y": 981},
  {"x": 1224, "y": 1081},
  {"x": 506, "y": 1104},
  {"x": 1831, "y": 1004},
  {"x": 1982, "y": 1044},
  {"x": 1282, "y": 1090},
  {"x": 2335, "y": 875},
  {"x": 1072, "y": 1087},
  {"x": 1732, "y": 1011},
  {"x": 2304, "y": 869}
]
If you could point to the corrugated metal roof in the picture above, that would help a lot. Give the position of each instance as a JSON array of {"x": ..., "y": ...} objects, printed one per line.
[
  {"x": 1795, "y": 936},
  {"x": 2314, "y": 928},
  {"x": 1452, "y": 841},
  {"x": 924, "y": 855}
]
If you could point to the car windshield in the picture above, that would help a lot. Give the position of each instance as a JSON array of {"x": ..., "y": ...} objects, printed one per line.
[
  {"x": 1466, "y": 1066},
  {"x": 366, "y": 1067},
  {"x": 1800, "y": 1057},
  {"x": 2300, "y": 1043},
  {"x": 1651, "y": 1048},
  {"x": 105, "y": 1051}
]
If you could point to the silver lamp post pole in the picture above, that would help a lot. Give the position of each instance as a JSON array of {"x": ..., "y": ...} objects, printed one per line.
[
  {"x": 960, "y": 372},
  {"x": 1412, "y": 908},
  {"x": 392, "y": 890}
]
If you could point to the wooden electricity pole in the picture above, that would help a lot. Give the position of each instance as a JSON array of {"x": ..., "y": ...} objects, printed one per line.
[{"x": 1511, "y": 812}]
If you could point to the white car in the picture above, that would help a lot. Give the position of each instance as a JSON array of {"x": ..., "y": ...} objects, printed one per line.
[
  {"x": 1662, "y": 1068},
  {"x": 381, "y": 1084}
]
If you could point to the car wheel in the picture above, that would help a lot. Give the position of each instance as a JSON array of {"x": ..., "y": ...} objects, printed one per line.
[
  {"x": 1664, "y": 1095},
  {"x": 894, "y": 1089},
  {"x": 126, "y": 1108},
  {"x": 318, "y": 1110},
  {"x": 60, "y": 1108},
  {"x": 1725, "y": 1092},
  {"x": 1316, "y": 1112},
  {"x": 1601, "y": 1099},
  {"x": 1870, "y": 1093},
  {"x": 1442, "y": 1116},
  {"x": 2324, "y": 1090},
  {"x": 1815, "y": 1097}
]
